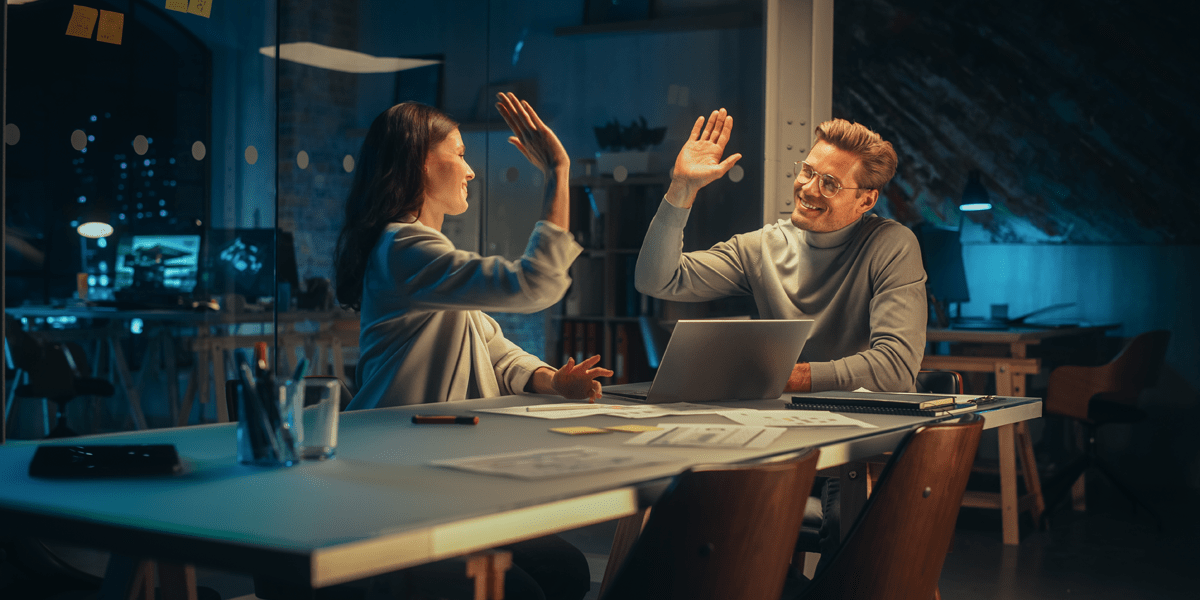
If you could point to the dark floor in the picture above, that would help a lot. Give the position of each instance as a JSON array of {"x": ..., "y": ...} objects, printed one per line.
[{"x": 1107, "y": 552}]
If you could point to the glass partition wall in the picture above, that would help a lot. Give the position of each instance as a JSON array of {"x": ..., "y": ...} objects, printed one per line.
[{"x": 176, "y": 174}]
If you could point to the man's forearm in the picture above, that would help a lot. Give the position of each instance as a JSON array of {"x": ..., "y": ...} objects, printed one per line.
[
  {"x": 680, "y": 195},
  {"x": 800, "y": 380}
]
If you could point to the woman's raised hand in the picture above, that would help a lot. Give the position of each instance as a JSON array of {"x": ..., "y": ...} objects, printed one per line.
[
  {"x": 578, "y": 381},
  {"x": 530, "y": 135}
]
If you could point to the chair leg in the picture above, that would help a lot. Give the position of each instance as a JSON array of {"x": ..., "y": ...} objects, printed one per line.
[
  {"x": 1126, "y": 490},
  {"x": 60, "y": 427}
]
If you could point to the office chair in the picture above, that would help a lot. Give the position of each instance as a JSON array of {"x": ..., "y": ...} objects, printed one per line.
[
  {"x": 1100, "y": 395},
  {"x": 929, "y": 381},
  {"x": 50, "y": 372},
  {"x": 898, "y": 543},
  {"x": 719, "y": 532}
]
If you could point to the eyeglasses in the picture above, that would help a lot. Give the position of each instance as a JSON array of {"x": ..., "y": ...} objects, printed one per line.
[{"x": 829, "y": 184}]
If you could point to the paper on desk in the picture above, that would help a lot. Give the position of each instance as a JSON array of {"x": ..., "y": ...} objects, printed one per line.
[
  {"x": 544, "y": 463},
  {"x": 708, "y": 436},
  {"x": 584, "y": 410},
  {"x": 628, "y": 411},
  {"x": 646, "y": 411},
  {"x": 793, "y": 418}
]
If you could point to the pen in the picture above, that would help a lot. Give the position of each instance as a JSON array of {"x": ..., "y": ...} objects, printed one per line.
[
  {"x": 541, "y": 407},
  {"x": 301, "y": 369},
  {"x": 444, "y": 420}
]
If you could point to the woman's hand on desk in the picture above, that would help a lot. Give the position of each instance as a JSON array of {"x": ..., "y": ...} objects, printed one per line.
[{"x": 572, "y": 381}]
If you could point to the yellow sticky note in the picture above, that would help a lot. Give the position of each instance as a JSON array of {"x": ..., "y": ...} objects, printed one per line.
[
  {"x": 83, "y": 20},
  {"x": 200, "y": 7},
  {"x": 634, "y": 428},
  {"x": 112, "y": 26},
  {"x": 577, "y": 430},
  {"x": 177, "y": 5}
]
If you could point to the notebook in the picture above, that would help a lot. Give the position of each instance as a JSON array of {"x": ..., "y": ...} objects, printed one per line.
[
  {"x": 720, "y": 359},
  {"x": 875, "y": 402}
]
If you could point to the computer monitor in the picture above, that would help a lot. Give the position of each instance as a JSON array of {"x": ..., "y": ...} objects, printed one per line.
[
  {"x": 157, "y": 263},
  {"x": 941, "y": 253},
  {"x": 243, "y": 261}
]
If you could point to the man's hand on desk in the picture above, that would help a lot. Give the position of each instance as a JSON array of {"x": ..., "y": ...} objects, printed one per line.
[{"x": 800, "y": 380}]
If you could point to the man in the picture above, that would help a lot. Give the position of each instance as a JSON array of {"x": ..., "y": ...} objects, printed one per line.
[{"x": 858, "y": 276}]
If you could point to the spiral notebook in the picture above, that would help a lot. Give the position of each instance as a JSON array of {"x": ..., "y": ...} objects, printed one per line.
[{"x": 877, "y": 403}]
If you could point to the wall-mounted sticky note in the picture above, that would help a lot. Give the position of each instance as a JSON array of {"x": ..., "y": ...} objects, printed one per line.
[
  {"x": 177, "y": 5},
  {"x": 83, "y": 20},
  {"x": 112, "y": 26},
  {"x": 200, "y": 7}
]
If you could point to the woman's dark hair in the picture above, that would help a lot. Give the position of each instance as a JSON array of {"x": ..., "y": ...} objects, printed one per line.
[{"x": 389, "y": 183}]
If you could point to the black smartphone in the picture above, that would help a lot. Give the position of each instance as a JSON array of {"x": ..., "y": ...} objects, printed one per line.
[{"x": 94, "y": 460}]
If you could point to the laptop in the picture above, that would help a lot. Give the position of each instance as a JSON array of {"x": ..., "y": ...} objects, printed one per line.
[{"x": 721, "y": 359}]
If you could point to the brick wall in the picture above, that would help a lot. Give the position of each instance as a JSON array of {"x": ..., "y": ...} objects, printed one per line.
[{"x": 316, "y": 115}]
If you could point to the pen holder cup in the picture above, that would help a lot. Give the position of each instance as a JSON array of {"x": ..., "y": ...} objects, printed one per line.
[
  {"x": 267, "y": 428},
  {"x": 318, "y": 398}
]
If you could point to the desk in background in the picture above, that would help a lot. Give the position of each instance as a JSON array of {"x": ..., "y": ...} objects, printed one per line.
[
  {"x": 1008, "y": 360},
  {"x": 379, "y": 506},
  {"x": 209, "y": 335}
]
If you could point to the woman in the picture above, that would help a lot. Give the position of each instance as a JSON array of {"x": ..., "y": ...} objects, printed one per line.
[{"x": 424, "y": 336}]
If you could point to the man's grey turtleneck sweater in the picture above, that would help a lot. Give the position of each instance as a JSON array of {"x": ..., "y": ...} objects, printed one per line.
[{"x": 863, "y": 285}]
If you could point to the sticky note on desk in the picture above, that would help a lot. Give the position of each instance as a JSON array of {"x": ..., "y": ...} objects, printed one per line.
[
  {"x": 177, "y": 5},
  {"x": 83, "y": 21},
  {"x": 112, "y": 27},
  {"x": 581, "y": 430},
  {"x": 634, "y": 428}
]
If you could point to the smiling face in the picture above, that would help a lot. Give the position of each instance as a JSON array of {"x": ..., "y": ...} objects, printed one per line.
[
  {"x": 814, "y": 212},
  {"x": 446, "y": 177}
]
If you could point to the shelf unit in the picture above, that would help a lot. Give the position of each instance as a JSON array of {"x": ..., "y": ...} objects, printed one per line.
[{"x": 602, "y": 312}]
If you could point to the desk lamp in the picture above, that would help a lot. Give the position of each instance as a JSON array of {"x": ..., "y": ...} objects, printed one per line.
[{"x": 974, "y": 199}]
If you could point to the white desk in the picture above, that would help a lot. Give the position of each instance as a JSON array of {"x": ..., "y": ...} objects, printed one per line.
[{"x": 378, "y": 507}]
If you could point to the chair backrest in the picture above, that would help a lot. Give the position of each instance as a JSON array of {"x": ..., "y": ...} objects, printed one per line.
[
  {"x": 721, "y": 532},
  {"x": 939, "y": 381},
  {"x": 49, "y": 369},
  {"x": 897, "y": 545},
  {"x": 1134, "y": 369}
]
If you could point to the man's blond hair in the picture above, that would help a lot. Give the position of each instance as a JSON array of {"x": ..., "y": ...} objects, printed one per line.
[{"x": 876, "y": 158}]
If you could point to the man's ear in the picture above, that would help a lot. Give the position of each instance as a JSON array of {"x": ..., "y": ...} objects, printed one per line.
[{"x": 867, "y": 201}]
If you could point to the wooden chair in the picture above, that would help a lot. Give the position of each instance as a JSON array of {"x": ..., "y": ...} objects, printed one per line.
[
  {"x": 929, "y": 381},
  {"x": 896, "y": 547},
  {"x": 1096, "y": 396},
  {"x": 719, "y": 532}
]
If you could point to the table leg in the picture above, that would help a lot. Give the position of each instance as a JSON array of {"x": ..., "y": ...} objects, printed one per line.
[
  {"x": 177, "y": 581},
  {"x": 1033, "y": 484},
  {"x": 169, "y": 356},
  {"x": 1008, "y": 484},
  {"x": 127, "y": 578},
  {"x": 126, "y": 380},
  {"x": 487, "y": 569},
  {"x": 219, "y": 377}
]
